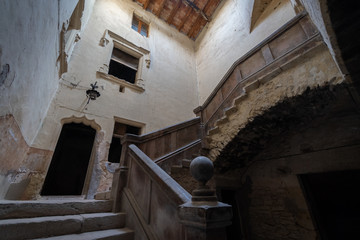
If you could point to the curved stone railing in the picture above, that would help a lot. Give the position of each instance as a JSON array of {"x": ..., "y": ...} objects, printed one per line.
[{"x": 259, "y": 65}]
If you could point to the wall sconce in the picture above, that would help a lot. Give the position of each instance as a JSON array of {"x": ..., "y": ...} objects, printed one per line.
[{"x": 92, "y": 94}]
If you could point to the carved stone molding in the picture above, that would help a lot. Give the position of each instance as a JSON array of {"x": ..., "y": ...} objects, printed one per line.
[{"x": 139, "y": 87}]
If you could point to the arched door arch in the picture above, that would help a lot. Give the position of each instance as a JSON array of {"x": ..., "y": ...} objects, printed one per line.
[{"x": 69, "y": 164}]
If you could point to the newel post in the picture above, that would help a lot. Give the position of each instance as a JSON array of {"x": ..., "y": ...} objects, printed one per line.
[
  {"x": 120, "y": 175},
  {"x": 204, "y": 217},
  {"x": 200, "y": 113}
]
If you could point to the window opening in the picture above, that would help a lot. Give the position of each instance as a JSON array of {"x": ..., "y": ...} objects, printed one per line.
[
  {"x": 120, "y": 129},
  {"x": 123, "y": 66},
  {"x": 140, "y": 26}
]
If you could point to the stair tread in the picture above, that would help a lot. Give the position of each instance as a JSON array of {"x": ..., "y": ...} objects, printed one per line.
[
  {"x": 186, "y": 163},
  {"x": 38, "y": 227},
  {"x": 56, "y": 218},
  {"x": 94, "y": 235},
  {"x": 42, "y": 208},
  {"x": 50, "y": 201}
]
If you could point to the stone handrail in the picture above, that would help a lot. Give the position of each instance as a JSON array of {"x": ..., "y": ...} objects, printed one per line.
[
  {"x": 259, "y": 65},
  {"x": 173, "y": 190},
  {"x": 175, "y": 157},
  {"x": 150, "y": 197},
  {"x": 164, "y": 141}
]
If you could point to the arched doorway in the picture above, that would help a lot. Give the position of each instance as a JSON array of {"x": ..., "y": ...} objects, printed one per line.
[{"x": 69, "y": 164}]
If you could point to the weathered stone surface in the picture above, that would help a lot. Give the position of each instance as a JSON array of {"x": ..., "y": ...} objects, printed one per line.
[
  {"x": 100, "y": 221},
  {"x": 258, "y": 131},
  {"x": 205, "y": 220},
  {"x": 307, "y": 73},
  {"x": 316, "y": 132},
  {"x": 202, "y": 169},
  {"x": 40, "y": 227},
  {"x": 21, "y": 209},
  {"x": 22, "y": 168},
  {"x": 112, "y": 234},
  {"x": 60, "y": 217}
]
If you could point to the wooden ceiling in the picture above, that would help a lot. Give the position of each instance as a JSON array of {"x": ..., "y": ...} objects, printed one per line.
[{"x": 188, "y": 16}]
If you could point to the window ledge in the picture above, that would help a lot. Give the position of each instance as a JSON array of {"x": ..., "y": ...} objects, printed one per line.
[{"x": 121, "y": 82}]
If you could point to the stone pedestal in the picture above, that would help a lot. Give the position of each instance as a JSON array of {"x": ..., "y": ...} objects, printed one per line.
[
  {"x": 204, "y": 217},
  {"x": 205, "y": 220}
]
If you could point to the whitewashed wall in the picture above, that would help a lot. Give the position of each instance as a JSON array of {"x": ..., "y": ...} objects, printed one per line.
[
  {"x": 228, "y": 37},
  {"x": 170, "y": 81},
  {"x": 29, "y": 44}
]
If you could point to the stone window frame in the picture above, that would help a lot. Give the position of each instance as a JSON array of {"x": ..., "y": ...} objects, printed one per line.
[
  {"x": 70, "y": 35},
  {"x": 116, "y": 41}
]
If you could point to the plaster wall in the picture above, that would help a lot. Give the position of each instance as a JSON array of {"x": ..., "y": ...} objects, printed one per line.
[
  {"x": 169, "y": 82},
  {"x": 228, "y": 37},
  {"x": 29, "y": 51},
  {"x": 29, "y": 45}
]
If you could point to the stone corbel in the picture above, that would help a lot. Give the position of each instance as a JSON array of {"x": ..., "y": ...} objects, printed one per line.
[
  {"x": 140, "y": 83},
  {"x": 77, "y": 37},
  {"x": 105, "y": 39},
  {"x": 104, "y": 68},
  {"x": 147, "y": 61}
]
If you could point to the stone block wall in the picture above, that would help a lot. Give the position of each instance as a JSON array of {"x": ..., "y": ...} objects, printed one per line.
[{"x": 275, "y": 205}]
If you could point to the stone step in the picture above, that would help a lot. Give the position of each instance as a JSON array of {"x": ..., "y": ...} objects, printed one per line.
[
  {"x": 186, "y": 163},
  {"x": 111, "y": 234},
  {"x": 59, "y": 225},
  {"x": 222, "y": 120},
  {"x": 40, "y": 208},
  {"x": 194, "y": 155},
  {"x": 183, "y": 176},
  {"x": 176, "y": 169},
  {"x": 230, "y": 110},
  {"x": 103, "y": 195},
  {"x": 213, "y": 131}
]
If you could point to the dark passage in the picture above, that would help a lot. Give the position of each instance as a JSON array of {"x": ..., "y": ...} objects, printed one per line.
[
  {"x": 67, "y": 171},
  {"x": 334, "y": 199},
  {"x": 120, "y": 130},
  {"x": 234, "y": 230}
]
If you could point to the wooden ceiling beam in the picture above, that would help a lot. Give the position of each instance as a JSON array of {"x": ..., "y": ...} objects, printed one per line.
[
  {"x": 173, "y": 12},
  {"x": 184, "y": 19},
  {"x": 146, "y": 4},
  {"x": 198, "y": 19},
  {"x": 196, "y": 9},
  {"x": 208, "y": 4},
  {"x": 191, "y": 32},
  {"x": 160, "y": 8}
]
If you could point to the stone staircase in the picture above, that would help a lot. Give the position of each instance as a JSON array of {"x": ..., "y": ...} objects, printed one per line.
[
  {"x": 62, "y": 219},
  {"x": 224, "y": 119},
  {"x": 181, "y": 174}
]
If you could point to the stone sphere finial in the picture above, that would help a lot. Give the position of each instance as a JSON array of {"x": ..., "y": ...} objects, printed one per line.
[{"x": 202, "y": 169}]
